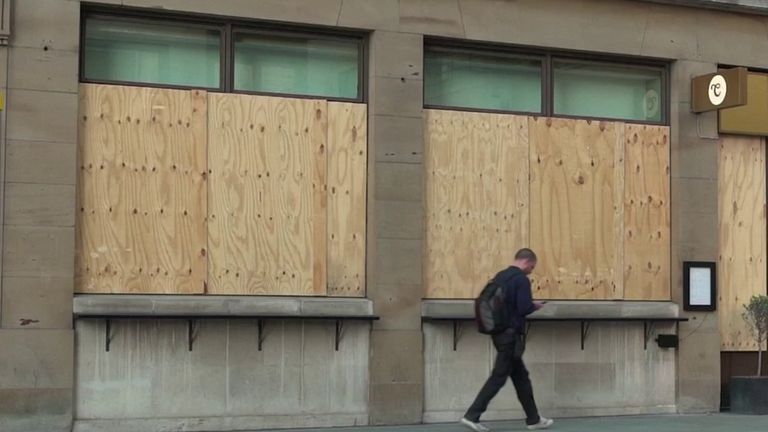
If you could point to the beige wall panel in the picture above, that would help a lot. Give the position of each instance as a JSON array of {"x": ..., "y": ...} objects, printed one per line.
[
  {"x": 267, "y": 221},
  {"x": 572, "y": 208},
  {"x": 646, "y": 213},
  {"x": 476, "y": 199},
  {"x": 141, "y": 190},
  {"x": 741, "y": 211},
  {"x": 347, "y": 187}
]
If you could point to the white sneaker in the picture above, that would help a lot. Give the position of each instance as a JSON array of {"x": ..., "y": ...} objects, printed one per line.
[
  {"x": 542, "y": 424},
  {"x": 477, "y": 427}
]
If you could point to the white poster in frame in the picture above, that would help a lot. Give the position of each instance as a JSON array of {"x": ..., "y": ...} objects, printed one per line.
[{"x": 699, "y": 286}]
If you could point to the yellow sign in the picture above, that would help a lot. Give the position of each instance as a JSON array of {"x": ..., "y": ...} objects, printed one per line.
[{"x": 752, "y": 118}]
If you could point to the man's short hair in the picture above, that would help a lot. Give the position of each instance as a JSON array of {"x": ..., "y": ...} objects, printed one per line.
[{"x": 526, "y": 254}]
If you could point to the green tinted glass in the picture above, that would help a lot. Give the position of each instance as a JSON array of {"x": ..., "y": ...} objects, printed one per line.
[
  {"x": 485, "y": 81},
  {"x": 152, "y": 52},
  {"x": 600, "y": 90},
  {"x": 297, "y": 65}
]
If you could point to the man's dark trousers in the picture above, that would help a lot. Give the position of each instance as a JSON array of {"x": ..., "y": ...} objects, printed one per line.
[{"x": 507, "y": 365}]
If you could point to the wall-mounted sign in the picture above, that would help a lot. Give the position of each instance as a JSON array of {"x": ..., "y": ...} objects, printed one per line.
[
  {"x": 751, "y": 118},
  {"x": 723, "y": 89},
  {"x": 699, "y": 286}
]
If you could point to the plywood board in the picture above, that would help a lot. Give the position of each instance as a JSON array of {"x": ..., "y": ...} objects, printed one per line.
[
  {"x": 646, "y": 213},
  {"x": 476, "y": 199},
  {"x": 141, "y": 191},
  {"x": 267, "y": 222},
  {"x": 741, "y": 212},
  {"x": 618, "y": 212},
  {"x": 347, "y": 161},
  {"x": 572, "y": 208}
]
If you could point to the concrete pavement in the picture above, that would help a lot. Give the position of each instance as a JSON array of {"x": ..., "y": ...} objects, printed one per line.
[{"x": 666, "y": 423}]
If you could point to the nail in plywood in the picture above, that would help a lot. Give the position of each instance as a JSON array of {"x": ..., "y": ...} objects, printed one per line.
[
  {"x": 476, "y": 198},
  {"x": 141, "y": 191},
  {"x": 646, "y": 213},
  {"x": 572, "y": 207},
  {"x": 347, "y": 160},
  {"x": 741, "y": 212},
  {"x": 267, "y": 222}
]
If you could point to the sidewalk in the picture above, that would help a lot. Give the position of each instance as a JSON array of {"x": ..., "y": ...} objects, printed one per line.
[{"x": 671, "y": 423}]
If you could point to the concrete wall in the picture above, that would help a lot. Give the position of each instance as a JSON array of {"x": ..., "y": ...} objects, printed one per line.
[
  {"x": 225, "y": 383},
  {"x": 747, "y": 6},
  {"x": 39, "y": 79},
  {"x": 613, "y": 375},
  {"x": 39, "y": 70}
]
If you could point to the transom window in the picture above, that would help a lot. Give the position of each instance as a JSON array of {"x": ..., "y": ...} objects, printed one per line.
[
  {"x": 151, "y": 50},
  {"x": 543, "y": 83}
]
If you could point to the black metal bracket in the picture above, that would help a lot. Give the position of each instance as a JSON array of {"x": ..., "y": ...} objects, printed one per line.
[
  {"x": 261, "y": 324},
  {"x": 457, "y": 327},
  {"x": 108, "y": 334},
  {"x": 586, "y": 324},
  {"x": 193, "y": 323},
  {"x": 339, "y": 332},
  {"x": 584, "y": 332},
  {"x": 191, "y": 333},
  {"x": 647, "y": 330}
]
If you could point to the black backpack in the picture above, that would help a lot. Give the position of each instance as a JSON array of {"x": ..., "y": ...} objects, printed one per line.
[{"x": 491, "y": 309}]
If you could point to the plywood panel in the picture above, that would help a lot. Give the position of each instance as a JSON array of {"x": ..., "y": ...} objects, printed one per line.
[
  {"x": 618, "y": 212},
  {"x": 646, "y": 213},
  {"x": 267, "y": 223},
  {"x": 741, "y": 211},
  {"x": 347, "y": 161},
  {"x": 476, "y": 199},
  {"x": 572, "y": 208},
  {"x": 141, "y": 191}
]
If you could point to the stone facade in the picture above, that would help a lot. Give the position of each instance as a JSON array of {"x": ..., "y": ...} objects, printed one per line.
[{"x": 393, "y": 366}]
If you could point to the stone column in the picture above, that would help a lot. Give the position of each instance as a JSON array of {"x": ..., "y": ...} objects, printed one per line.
[
  {"x": 396, "y": 232},
  {"x": 694, "y": 237},
  {"x": 39, "y": 76}
]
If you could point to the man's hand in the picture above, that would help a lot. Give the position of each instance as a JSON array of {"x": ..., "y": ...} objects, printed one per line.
[{"x": 538, "y": 305}]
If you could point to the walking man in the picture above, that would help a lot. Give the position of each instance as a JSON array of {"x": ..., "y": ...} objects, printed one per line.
[{"x": 510, "y": 345}]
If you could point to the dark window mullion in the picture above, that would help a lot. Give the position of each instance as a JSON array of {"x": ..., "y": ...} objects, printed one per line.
[
  {"x": 228, "y": 56},
  {"x": 548, "y": 106}
]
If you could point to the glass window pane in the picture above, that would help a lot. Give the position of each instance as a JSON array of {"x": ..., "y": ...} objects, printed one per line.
[
  {"x": 610, "y": 91},
  {"x": 152, "y": 52},
  {"x": 296, "y": 65},
  {"x": 485, "y": 81}
]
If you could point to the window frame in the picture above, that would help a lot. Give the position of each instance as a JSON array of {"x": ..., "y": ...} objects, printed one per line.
[
  {"x": 250, "y": 30},
  {"x": 227, "y": 28},
  {"x": 663, "y": 105},
  {"x": 549, "y": 57},
  {"x": 150, "y": 18},
  {"x": 497, "y": 53}
]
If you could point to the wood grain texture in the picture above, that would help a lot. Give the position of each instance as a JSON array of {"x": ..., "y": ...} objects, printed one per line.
[
  {"x": 646, "y": 213},
  {"x": 572, "y": 207},
  {"x": 347, "y": 195},
  {"x": 476, "y": 199},
  {"x": 741, "y": 210},
  {"x": 267, "y": 221},
  {"x": 141, "y": 191},
  {"x": 618, "y": 212}
]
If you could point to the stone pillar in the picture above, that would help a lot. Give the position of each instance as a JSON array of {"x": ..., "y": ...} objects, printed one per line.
[
  {"x": 694, "y": 237},
  {"x": 396, "y": 226},
  {"x": 39, "y": 77}
]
